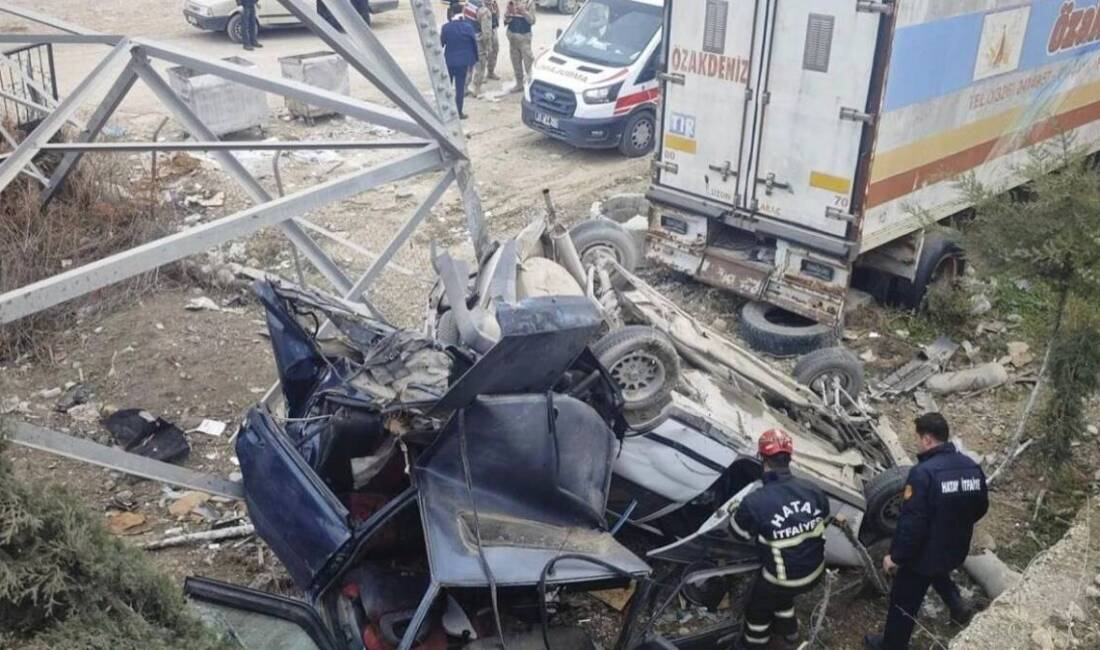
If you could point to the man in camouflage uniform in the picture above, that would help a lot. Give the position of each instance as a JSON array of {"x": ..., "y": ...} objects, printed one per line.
[
  {"x": 486, "y": 34},
  {"x": 494, "y": 42},
  {"x": 519, "y": 18}
]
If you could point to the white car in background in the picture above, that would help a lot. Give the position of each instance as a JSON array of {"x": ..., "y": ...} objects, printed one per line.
[{"x": 225, "y": 15}]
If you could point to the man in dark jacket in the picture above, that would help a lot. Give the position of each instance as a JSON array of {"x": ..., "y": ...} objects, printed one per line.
[
  {"x": 945, "y": 495},
  {"x": 785, "y": 517},
  {"x": 250, "y": 24},
  {"x": 459, "y": 39}
]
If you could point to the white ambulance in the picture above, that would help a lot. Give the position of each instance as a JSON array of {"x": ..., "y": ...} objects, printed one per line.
[{"x": 597, "y": 87}]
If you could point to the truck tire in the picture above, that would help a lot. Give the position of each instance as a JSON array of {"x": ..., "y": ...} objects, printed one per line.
[
  {"x": 235, "y": 28},
  {"x": 818, "y": 368},
  {"x": 643, "y": 362},
  {"x": 884, "y": 495},
  {"x": 780, "y": 333},
  {"x": 940, "y": 259},
  {"x": 638, "y": 134},
  {"x": 569, "y": 7},
  {"x": 596, "y": 237}
]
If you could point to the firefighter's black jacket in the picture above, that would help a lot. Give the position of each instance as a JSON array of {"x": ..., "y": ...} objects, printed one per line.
[
  {"x": 786, "y": 518},
  {"x": 944, "y": 497}
]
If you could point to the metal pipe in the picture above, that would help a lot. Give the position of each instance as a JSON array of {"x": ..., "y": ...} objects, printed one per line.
[
  {"x": 565, "y": 253},
  {"x": 320, "y": 145}
]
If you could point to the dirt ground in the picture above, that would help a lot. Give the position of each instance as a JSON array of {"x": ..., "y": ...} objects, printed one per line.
[{"x": 189, "y": 365}]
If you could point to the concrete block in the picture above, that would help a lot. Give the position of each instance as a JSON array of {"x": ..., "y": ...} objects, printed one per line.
[
  {"x": 222, "y": 105},
  {"x": 325, "y": 70}
]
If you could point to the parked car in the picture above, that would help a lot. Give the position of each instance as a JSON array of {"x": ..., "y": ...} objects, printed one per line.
[{"x": 225, "y": 15}]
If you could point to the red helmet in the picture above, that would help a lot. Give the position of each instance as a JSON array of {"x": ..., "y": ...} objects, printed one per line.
[{"x": 775, "y": 441}]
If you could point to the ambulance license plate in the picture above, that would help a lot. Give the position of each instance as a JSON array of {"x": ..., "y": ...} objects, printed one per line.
[{"x": 546, "y": 120}]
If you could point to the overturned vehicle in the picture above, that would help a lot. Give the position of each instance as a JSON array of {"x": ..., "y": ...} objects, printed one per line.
[{"x": 446, "y": 488}]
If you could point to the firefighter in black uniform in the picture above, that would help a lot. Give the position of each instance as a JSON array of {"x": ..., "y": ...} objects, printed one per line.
[
  {"x": 786, "y": 518},
  {"x": 945, "y": 495}
]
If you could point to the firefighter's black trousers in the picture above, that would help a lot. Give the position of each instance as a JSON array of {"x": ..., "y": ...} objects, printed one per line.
[
  {"x": 770, "y": 610},
  {"x": 906, "y": 597}
]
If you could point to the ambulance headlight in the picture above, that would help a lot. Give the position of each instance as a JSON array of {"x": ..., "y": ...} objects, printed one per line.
[{"x": 603, "y": 94}]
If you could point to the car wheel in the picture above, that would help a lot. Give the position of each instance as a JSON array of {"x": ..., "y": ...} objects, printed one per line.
[
  {"x": 597, "y": 238},
  {"x": 643, "y": 362},
  {"x": 941, "y": 261},
  {"x": 638, "y": 135},
  {"x": 235, "y": 28},
  {"x": 781, "y": 333},
  {"x": 820, "y": 368},
  {"x": 569, "y": 7},
  {"x": 446, "y": 329},
  {"x": 884, "y": 494}
]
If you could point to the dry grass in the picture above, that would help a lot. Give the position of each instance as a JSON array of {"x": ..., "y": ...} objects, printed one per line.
[{"x": 94, "y": 216}]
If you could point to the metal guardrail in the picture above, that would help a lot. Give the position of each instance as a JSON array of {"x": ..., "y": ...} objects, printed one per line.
[{"x": 30, "y": 75}]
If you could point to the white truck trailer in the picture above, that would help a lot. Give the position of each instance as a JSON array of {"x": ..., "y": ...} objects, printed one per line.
[{"x": 805, "y": 141}]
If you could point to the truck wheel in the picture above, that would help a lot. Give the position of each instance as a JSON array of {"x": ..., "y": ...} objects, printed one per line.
[
  {"x": 638, "y": 135},
  {"x": 819, "y": 368},
  {"x": 643, "y": 362},
  {"x": 569, "y": 7},
  {"x": 884, "y": 495},
  {"x": 595, "y": 238},
  {"x": 780, "y": 333},
  {"x": 941, "y": 260},
  {"x": 235, "y": 28}
]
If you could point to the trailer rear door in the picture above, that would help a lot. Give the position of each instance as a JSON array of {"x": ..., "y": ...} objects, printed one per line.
[
  {"x": 818, "y": 56},
  {"x": 709, "y": 70}
]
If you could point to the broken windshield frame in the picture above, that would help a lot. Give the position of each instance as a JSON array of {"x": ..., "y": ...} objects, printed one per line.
[{"x": 613, "y": 33}]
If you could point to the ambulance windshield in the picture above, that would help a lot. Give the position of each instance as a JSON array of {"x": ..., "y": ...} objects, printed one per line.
[{"x": 610, "y": 32}]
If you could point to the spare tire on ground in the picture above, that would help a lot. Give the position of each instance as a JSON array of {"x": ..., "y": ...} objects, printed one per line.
[
  {"x": 819, "y": 368},
  {"x": 781, "y": 333},
  {"x": 643, "y": 362},
  {"x": 884, "y": 495}
]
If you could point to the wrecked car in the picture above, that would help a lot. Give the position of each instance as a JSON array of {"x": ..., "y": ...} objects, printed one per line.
[
  {"x": 417, "y": 493},
  {"x": 694, "y": 399}
]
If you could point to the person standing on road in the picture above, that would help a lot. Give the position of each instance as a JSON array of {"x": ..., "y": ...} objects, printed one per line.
[
  {"x": 250, "y": 24},
  {"x": 519, "y": 18},
  {"x": 459, "y": 40},
  {"x": 785, "y": 518},
  {"x": 483, "y": 22},
  {"x": 945, "y": 495},
  {"x": 494, "y": 42}
]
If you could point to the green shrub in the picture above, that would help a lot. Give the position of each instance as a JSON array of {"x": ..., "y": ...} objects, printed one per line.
[{"x": 65, "y": 582}]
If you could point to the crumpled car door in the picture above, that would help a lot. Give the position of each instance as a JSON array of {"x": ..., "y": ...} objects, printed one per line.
[{"x": 302, "y": 521}]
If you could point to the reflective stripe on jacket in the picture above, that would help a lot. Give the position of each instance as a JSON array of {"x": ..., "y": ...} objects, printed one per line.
[{"x": 786, "y": 518}]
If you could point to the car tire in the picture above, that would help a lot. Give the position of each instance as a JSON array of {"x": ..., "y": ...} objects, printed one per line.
[
  {"x": 235, "y": 28},
  {"x": 643, "y": 362},
  {"x": 446, "y": 329},
  {"x": 778, "y": 332},
  {"x": 884, "y": 495},
  {"x": 569, "y": 7},
  {"x": 941, "y": 258},
  {"x": 818, "y": 367},
  {"x": 595, "y": 237},
  {"x": 639, "y": 133}
]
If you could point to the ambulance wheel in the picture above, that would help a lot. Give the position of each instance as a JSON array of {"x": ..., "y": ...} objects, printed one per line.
[
  {"x": 778, "y": 332},
  {"x": 818, "y": 369},
  {"x": 884, "y": 495},
  {"x": 235, "y": 28},
  {"x": 643, "y": 362},
  {"x": 638, "y": 135},
  {"x": 569, "y": 7}
]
